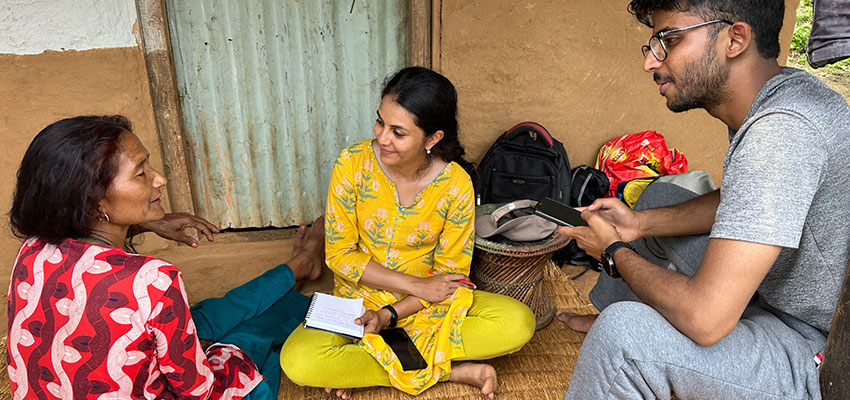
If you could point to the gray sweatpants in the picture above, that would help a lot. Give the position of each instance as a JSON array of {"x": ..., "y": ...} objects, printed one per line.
[{"x": 633, "y": 352}]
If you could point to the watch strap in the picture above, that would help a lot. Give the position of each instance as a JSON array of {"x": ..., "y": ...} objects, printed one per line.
[
  {"x": 393, "y": 315},
  {"x": 608, "y": 257}
]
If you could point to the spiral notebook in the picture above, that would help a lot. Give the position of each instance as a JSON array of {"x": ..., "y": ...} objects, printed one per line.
[{"x": 335, "y": 314}]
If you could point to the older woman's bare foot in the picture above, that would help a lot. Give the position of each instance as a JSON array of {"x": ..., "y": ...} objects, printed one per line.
[
  {"x": 308, "y": 255},
  {"x": 341, "y": 393},
  {"x": 577, "y": 322},
  {"x": 476, "y": 374}
]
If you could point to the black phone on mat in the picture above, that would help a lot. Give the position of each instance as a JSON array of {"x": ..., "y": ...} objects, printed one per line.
[
  {"x": 559, "y": 213},
  {"x": 404, "y": 349}
]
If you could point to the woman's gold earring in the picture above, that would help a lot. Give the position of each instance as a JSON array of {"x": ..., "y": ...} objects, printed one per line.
[{"x": 103, "y": 218}]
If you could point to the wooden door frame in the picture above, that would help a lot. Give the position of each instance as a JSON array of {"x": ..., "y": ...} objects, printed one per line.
[
  {"x": 162, "y": 77},
  {"x": 424, "y": 18},
  {"x": 156, "y": 44}
]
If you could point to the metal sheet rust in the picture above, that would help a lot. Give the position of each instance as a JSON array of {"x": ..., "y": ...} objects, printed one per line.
[{"x": 271, "y": 91}]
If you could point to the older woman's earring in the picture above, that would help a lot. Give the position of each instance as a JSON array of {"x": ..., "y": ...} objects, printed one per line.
[
  {"x": 103, "y": 218},
  {"x": 427, "y": 151}
]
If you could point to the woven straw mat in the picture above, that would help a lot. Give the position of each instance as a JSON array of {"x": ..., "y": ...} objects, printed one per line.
[
  {"x": 541, "y": 370},
  {"x": 5, "y": 389}
]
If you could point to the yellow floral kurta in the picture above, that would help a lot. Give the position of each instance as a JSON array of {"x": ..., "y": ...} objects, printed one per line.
[{"x": 365, "y": 221}]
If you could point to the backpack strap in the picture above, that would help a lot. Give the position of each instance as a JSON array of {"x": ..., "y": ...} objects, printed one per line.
[{"x": 524, "y": 127}]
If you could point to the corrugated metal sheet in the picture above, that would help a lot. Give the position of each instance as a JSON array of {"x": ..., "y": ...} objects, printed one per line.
[{"x": 271, "y": 91}]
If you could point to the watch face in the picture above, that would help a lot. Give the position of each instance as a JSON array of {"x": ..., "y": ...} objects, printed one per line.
[{"x": 608, "y": 259}]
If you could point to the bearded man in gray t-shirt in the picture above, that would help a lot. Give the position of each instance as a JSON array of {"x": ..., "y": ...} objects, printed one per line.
[{"x": 728, "y": 294}]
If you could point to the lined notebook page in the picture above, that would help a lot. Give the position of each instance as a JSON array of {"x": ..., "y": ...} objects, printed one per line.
[{"x": 335, "y": 314}]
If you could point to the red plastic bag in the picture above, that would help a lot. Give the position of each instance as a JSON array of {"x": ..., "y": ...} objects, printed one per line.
[{"x": 638, "y": 155}]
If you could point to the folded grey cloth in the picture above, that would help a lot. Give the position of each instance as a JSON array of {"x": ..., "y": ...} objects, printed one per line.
[
  {"x": 515, "y": 221},
  {"x": 829, "y": 40}
]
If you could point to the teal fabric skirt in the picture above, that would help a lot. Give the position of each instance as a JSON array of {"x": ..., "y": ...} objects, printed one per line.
[{"x": 257, "y": 317}]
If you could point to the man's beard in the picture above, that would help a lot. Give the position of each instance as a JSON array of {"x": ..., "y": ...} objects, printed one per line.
[{"x": 701, "y": 83}]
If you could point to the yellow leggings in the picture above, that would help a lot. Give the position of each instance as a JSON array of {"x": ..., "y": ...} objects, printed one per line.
[{"x": 495, "y": 325}]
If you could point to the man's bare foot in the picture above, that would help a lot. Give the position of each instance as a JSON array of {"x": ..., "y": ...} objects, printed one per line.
[
  {"x": 308, "y": 255},
  {"x": 476, "y": 374},
  {"x": 577, "y": 322},
  {"x": 341, "y": 393}
]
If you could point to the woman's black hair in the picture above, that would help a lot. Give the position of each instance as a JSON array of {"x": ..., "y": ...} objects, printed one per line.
[
  {"x": 432, "y": 99},
  {"x": 64, "y": 174}
]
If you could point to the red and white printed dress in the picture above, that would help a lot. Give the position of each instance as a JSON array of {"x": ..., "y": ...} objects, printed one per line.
[{"x": 92, "y": 321}]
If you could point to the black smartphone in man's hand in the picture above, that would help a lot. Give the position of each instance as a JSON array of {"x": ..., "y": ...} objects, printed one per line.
[
  {"x": 404, "y": 349},
  {"x": 559, "y": 213}
]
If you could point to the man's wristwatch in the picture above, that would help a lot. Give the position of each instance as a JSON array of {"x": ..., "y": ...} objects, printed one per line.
[
  {"x": 608, "y": 258},
  {"x": 393, "y": 316}
]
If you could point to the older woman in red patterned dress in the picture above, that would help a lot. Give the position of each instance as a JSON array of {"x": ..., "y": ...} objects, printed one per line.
[{"x": 86, "y": 317}]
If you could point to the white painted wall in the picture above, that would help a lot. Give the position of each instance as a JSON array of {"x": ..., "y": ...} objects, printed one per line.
[{"x": 33, "y": 26}]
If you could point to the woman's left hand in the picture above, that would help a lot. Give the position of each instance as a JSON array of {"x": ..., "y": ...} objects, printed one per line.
[
  {"x": 173, "y": 225},
  {"x": 372, "y": 321}
]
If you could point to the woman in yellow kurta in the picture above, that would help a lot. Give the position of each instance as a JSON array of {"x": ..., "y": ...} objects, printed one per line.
[{"x": 399, "y": 234}]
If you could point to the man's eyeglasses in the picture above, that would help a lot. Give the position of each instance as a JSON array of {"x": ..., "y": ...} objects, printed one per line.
[{"x": 656, "y": 42}]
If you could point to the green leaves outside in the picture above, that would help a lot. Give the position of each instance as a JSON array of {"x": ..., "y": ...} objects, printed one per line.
[{"x": 800, "y": 38}]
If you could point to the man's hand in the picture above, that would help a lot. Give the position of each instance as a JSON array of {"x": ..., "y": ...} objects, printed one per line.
[
  {"x": 373, "y": 321},
  {"x": 173, "y": 225},
  {"x": 595, "y": 237},
  {"x": 618, "y": 214}
]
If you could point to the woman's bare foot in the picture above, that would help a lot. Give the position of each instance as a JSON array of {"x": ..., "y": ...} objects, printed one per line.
[
  {"x": 577, "y": 322},
  {"x": 476, "y": 374},
  {"x": 341, "y": 393},
  {"x": 308, "y": 255}
]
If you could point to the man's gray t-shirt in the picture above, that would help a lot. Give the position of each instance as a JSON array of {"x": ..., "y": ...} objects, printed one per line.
[{"x": 786, "y": 182}]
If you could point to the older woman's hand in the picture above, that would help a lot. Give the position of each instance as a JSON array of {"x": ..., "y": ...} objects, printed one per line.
[
  {"x": 173, "y": 225},
  {"x": 437, "y": 288}
]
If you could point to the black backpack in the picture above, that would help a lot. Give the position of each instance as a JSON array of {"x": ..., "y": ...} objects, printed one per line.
[
  {"x": 524, "y": 163},
  {"x": 588, "y": 184}
]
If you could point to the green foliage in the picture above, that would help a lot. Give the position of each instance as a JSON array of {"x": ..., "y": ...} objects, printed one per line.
[
  {"x": 804, "y": 12},
  {"x": 800, "y": 38}
]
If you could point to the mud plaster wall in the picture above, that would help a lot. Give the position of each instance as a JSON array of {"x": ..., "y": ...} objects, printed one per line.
[
  {"x": 573, "y": 66},
  {"x": 36, "y": 90}
]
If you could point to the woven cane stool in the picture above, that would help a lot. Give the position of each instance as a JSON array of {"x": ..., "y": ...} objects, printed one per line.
[{"x": 515, "y": 269}]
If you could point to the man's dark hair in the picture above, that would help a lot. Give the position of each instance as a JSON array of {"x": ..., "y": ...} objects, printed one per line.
[
  {"x": 765, "y": 16},
  {"x": 64, "y": 174}
]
